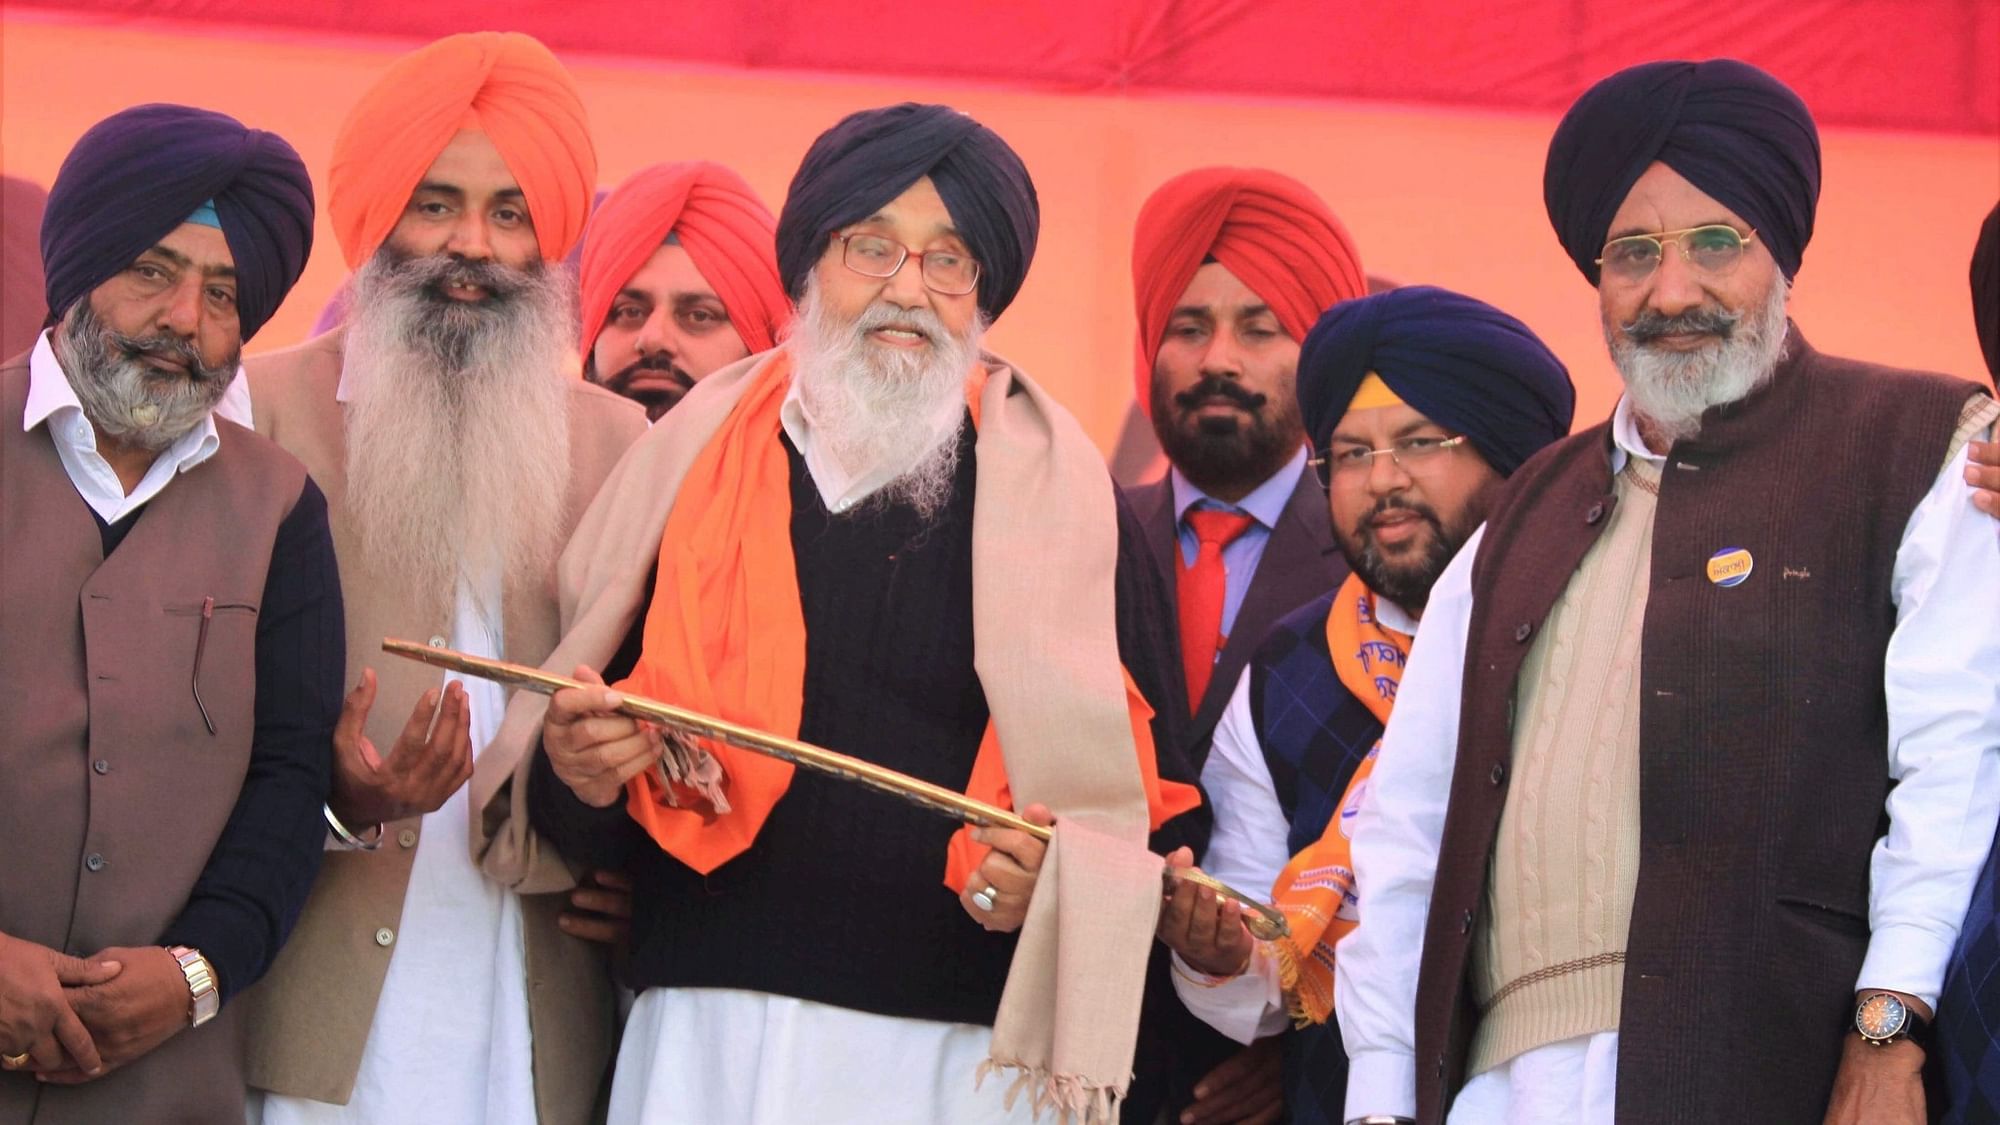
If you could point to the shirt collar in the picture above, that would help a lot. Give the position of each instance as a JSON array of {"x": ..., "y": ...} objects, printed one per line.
[
  {"x": 50, "y": 394},
  {"x": 1626, "y": 441},
  {"x": 1391, "y": 616},
  {"x": 1264, "y": 503}
]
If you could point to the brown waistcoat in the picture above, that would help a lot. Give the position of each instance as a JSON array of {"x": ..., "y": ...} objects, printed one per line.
[
  {"x": 112, "y": 790},
  {"x": 1763, "y": 734},
  {"x": 310, "y": 1017}
]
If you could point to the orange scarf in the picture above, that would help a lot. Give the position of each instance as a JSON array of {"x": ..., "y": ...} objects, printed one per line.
[
  {"x": 725, "y": 636},
  {"x": 1316, "y": 890}
]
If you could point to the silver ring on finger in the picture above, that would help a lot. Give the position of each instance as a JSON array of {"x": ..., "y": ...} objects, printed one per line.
[{"x": 985, "y": 899}]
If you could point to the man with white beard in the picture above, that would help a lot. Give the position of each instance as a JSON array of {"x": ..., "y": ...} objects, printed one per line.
[
  {"x": 456, "y": 454},
  {"x": 1623, "y": 855},
  {"x": 880, "y": 539}
]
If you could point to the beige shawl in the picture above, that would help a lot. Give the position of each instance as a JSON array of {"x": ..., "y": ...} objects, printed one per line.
[{"x": 1044, "y": 549}]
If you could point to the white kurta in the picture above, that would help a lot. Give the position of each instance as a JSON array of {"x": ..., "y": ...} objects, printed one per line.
[
  {"x": 1249, "y": 847},
  {"x": 708, "y": 1055},
  {"x": 450, "y": 1041},
  {"x": 1942, "y": 683}
]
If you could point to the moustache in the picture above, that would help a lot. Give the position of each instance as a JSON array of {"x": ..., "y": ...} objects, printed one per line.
[
  {"x": 434, "y": 274},
  {"x": 175, "y": 349},
  {"x": 885, "y": 315},
  {"x": 1214, "y": 386},
  {"x": 1649, "y": 326},
  {"x": 652, "y": 363},
  {"x": 1387, "y": 504}
]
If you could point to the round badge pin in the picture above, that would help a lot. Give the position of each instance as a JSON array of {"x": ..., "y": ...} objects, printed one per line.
[{"x": 1730, "y": 566}]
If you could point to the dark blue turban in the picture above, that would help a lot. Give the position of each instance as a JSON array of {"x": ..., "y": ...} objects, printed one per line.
[
  {"x": 138, "y": 175},
  {"x": 1728, "y": 128},
  {"x": 1459, "y": 362},
  {"x": 873, "y": 156},
  {"x": 1986, "y": 291}
]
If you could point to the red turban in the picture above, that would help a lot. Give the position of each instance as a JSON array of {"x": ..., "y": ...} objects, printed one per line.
[
  {"x": 728, "y": 232},
  {"x": 1270, "y": 230},
  {"x": 503, "y": 84}
]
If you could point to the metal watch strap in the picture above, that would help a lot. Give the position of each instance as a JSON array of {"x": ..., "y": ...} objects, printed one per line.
[
  {"x": 203, "y": 1000},
  {"x": 1381, "y": 1119}
]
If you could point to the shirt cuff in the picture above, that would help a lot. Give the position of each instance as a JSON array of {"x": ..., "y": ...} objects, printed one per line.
[
  {"x": 1906, "y": 958},
  {"x": 1246, "y": 1007},
  {"x": 1381, "y": 1082}
]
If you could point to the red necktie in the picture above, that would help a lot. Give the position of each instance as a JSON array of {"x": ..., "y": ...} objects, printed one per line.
[{"x": 1203, "y": 587}]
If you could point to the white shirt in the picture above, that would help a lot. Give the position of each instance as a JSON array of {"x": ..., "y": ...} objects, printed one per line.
[
  {"x": 1248, "y": 848},
  {"x": 1942, "y": 682},
  {"x": 52, "y": 400},
  {"x": 841, "y": 487},
  {"x": 450, "y": 1039}
]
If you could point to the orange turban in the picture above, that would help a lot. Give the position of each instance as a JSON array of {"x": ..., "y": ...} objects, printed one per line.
[
  {"x": 728, "y": 232},
  {"x": 504, "y": 84},
  {"x": 1270, "y": 230}
]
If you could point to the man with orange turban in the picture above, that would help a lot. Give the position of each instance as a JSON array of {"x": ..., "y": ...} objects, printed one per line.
[
  {"x": 456, "y": 451},
  {"x": 1231, "y": 267},
  {"x": 680, "y": 278}
]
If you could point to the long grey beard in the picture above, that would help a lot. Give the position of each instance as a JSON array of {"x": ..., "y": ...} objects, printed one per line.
[
  {"x": 1671, "y": 390},
  {"x": 458, "y": 428},
  {"x": 878, "y": 407},
  {"x": 125, "y": 397}
]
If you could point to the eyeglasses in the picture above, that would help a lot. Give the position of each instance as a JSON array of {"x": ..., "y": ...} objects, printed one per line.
[
  {"x": 946, "y": 271},
  {"x": 1409, "y": 454},
  {"x": 1713, "y": 250}
]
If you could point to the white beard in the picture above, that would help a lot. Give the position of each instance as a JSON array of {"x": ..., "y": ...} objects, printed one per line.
[
  {"x": 1671, "y": 390},
  {"x": 878, "y": 407},
  {"x": 125, "y": 397},
  {"x": 458, "y": 429}
]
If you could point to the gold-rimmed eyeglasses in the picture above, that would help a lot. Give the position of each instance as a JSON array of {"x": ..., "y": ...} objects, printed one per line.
[
  {"x": 1714, "y": 249},
  {"x": 946, "y": 271},
  {"x": 1410, "y": 454}
]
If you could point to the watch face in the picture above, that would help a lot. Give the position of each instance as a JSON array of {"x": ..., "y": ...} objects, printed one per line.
[{"x": 1880, "y": 1016}]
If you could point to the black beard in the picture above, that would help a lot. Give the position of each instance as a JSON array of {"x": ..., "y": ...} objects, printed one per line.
[
  {"x": 656, "y": 402},
  {"x": 1408, "y": 581},
  {"x": 1225, "y": 455}
]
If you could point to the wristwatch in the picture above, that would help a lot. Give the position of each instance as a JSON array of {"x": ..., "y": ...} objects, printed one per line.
[
  {"x": 1882, "y": 1018},
  {"x": 203, "y": 1000}
]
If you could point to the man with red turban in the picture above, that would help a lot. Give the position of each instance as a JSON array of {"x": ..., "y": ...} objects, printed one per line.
[
  {"x": 1231, "y": 267},
  {"x": 680, "y": 278},
  {"x": 456, "y": 452}
]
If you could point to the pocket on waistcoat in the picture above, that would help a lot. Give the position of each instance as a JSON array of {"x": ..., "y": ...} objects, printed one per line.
[
  {"x": 1841, "y": 919},
  {"x": 221, "y": 640}
]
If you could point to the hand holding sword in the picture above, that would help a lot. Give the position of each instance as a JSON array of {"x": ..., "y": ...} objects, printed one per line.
[{"x": 606, "y": 741}]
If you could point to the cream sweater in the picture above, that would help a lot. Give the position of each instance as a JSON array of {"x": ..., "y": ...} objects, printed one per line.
[{"x": 1551, "y": 961}]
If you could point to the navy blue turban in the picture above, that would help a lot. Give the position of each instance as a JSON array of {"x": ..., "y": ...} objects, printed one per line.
[
  {"x": 1735, "y": 132},
  {"x": 1986, "y": 291},
  {"x": 873, "y": 156},
  {"x": 1459, "y": 362},
  {"x": 138, "y": 175}
]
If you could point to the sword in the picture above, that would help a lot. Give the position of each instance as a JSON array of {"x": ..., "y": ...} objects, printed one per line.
[{"x": 1264, "y": 923}]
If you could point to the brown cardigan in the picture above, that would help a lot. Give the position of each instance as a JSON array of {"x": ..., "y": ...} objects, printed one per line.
[
  {"x": 310, "y": 1017},
  {"x": 1762, "y": 733}
]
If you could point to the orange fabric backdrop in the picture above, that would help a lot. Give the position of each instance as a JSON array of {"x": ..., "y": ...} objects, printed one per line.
[{"x": 1431, "y": 194}]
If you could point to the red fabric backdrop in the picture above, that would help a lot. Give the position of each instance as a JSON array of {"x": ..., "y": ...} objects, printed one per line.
[{"x": 1901, "y": 64}]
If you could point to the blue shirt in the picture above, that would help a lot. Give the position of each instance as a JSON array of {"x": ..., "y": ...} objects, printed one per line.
[{"x": 1264, "y": 504}]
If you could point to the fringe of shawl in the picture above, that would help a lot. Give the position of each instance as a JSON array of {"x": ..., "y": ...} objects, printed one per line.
[{"x": 1072, "y": 1098}]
